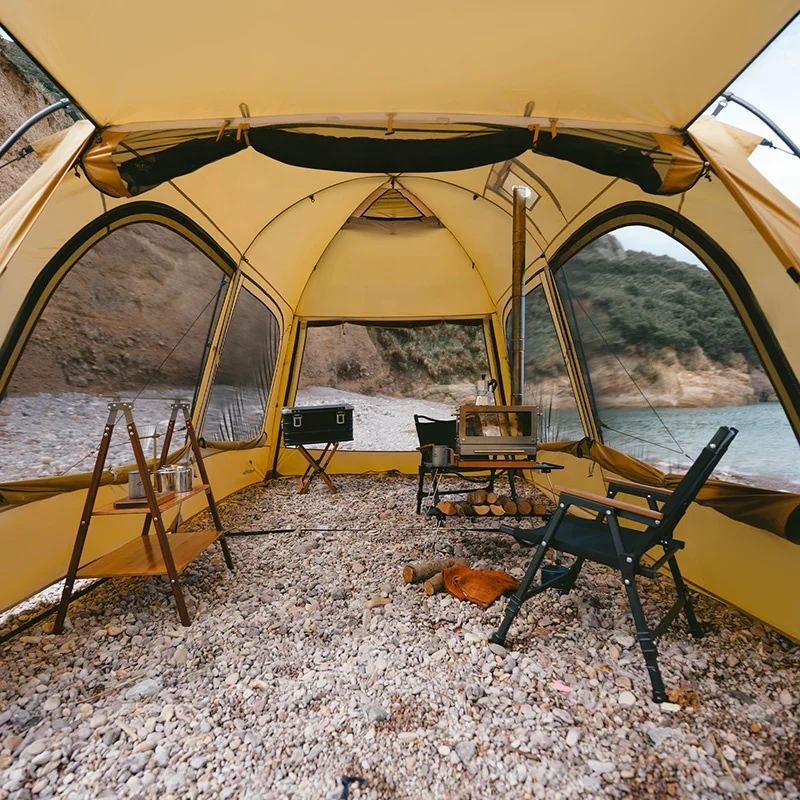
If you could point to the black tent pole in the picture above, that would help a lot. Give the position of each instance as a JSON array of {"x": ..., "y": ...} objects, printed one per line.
[
  {"x": 732, "y": 98},
  {"x": 39, "y": 115}
]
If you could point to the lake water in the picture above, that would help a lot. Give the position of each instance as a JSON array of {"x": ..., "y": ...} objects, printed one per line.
[{"x": 764, "y": 453}]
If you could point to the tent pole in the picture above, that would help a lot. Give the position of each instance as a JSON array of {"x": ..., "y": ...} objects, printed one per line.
[
  {"x": 517, "y": 300},
  {"x": 731, "y": 97},
  {"x": 39, "y": 115}
]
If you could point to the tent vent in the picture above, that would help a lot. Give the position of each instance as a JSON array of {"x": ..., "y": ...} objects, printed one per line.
[{"x": 393, "y": 205}]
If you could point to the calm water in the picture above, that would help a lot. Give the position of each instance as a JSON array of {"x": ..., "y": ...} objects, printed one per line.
[{"x": 765, "y": 452}]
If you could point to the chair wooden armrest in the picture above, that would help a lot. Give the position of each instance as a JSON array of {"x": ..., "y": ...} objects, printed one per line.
[
  {"x": 598, "y": 502},
  {"x": 638, "y": 489}
]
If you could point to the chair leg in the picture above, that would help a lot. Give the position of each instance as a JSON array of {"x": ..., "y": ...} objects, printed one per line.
[
  {"x": 649, "y": 650},
  {"x": 420, "y": 488},
  {"x": 695, "y": 627}
]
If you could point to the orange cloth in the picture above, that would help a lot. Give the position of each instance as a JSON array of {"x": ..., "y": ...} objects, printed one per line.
[{"x": 479, "y": 586}]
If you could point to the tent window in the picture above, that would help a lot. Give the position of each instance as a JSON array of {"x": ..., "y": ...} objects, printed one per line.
[
  {"x": 389, "y": 373},
  {"x": 668, "y": 360},
  {"x": 133, "y": 318},
  {"x": 242, "y": 384},
  {"x": 547, "y": 383}
]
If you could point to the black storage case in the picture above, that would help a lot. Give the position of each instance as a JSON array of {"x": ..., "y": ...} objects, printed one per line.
[{"x": 317, "y": 424}]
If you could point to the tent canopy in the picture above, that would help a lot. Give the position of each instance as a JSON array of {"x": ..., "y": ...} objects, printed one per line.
[{"x": 618, "y": 62}]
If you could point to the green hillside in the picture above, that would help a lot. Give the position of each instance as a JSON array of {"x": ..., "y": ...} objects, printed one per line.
[{"x": 642, "y": 302}]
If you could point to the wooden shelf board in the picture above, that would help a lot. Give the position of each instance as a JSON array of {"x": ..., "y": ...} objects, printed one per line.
[
  {"x": 142, "y": 556},
  {"x": 178, "y": 497}
]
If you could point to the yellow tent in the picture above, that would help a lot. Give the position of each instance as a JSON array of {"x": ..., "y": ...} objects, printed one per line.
[{"x": 263, "y": 134}]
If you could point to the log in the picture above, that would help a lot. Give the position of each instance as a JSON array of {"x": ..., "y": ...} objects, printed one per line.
[
  {"x": 467, "y": 509},
  {"x": 510, "y": 507},
  {"x": 446, "y": 507},
  {"x": 524, "y": 507},
  {"x": 434, "y": 585},
  {"x": 491, "y": 498},
  {"x": 481, "y": 511},
  {"x": 539, "y": 509},
  {"x": 502, "y": 499},
  {"x": 477, "y": 498},
  {"x": 496, "y": 510},
  {"x": 421, "y": 571}
]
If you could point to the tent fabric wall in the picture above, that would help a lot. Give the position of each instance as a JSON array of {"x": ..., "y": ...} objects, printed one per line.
[{"x": 282, "y": 227}]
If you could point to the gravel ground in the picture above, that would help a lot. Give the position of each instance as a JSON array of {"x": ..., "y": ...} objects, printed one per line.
[{"x": 313, "y": 660}]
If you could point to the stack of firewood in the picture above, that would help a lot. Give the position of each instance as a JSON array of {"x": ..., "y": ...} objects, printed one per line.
[{"x": 481, "y": 503}]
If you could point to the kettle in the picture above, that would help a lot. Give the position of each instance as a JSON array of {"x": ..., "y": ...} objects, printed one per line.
[{"x": 484, "y": 391}]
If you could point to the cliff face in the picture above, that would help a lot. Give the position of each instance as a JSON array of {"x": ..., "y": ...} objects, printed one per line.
[{"x": 20, "y": 98}]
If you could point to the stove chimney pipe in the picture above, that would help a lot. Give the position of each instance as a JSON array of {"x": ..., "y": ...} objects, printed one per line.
[{"x": 521, "y": 194}]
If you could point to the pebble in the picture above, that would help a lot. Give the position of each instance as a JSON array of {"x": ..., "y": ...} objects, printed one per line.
[
  {"x": 358, "y": 568},
  {"x": 295, "y": 681},
  {"x": 626, "y": 699}
]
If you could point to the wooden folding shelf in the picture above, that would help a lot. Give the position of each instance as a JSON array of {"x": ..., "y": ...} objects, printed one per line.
[{"x": 149, "y": 554}]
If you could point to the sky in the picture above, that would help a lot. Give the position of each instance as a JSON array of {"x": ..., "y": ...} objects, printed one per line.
[{"x": 772, "y": 84}]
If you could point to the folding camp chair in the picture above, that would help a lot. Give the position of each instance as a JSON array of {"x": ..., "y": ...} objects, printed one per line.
[
  {"x": 605, "y": 541},
  {"x": 432, "y": 431}
]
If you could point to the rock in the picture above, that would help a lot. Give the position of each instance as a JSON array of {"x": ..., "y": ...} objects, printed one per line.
[
  {"x": 564, "y": 716},
  {"x": 35, "y": 748},
  {"x": 51, "y": 704},
  {"x": 357, "y": 567},
  {"x": 375, "y": 712},
  {"x": 657, "y": 735},
  {"x": 162, "y": 757},
  {"x": 626, "y": 699},
  {"x": 670, "y": 707},
  {"x": 377, "y": 602},
  {"x": 198, "y": 762},
  {"x": 573, "y": 736},
  {"x": 498, "y": 649},
  {"x": 145, "y": 747},
  {"x": 465, "y": 750},
  {"x": 624, "y": 640},
  {"x": 600, "y": 767},
  {"x": 146, "y": 688},
  {"x": 114, "y": 630},
  {"x": 785, "y": 698},
  {"x": 181, "y": 655},
  {"x": 98, "y": 720}
]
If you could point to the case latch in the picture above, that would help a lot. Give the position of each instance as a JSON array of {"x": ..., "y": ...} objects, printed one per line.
[
  {"x": 340, "y": 415},
  {"x": 297, "y": 420}
]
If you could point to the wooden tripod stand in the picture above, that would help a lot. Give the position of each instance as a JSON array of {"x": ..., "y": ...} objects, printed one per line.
[{"x": 169, "y": 554}]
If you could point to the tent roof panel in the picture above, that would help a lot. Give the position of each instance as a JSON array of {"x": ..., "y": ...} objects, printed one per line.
[{"x": 618, "y": 61}]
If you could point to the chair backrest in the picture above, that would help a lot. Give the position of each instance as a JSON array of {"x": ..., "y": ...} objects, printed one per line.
[
  {"x": 686, "y": 491},
  {"x": 436, "y": 431}
]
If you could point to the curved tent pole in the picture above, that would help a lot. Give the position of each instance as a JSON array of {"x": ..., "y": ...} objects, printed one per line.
[
  {"x": 732, "y": 98},
  {"x": 38, "y": 116}
]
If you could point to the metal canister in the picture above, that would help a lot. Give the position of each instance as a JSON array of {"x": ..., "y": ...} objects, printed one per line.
[
  {"x": 183, "y": 478},
  {"x": 440, "y": 455},
  {"x": 166, "y": 479},
  {"x": 135, "y": 485}
]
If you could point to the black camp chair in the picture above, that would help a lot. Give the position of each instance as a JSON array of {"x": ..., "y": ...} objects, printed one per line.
[{"x": 605, "y": 541}]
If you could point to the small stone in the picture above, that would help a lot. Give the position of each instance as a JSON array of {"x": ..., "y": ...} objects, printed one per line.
[
  {"x": 613, "y": 653},
  {"x": 357, "y": 567},
  {"x": 375, "y": 712},
  {"x": 498, "y": 650},
  {"x": 181, "y": 655},
  {"x": 198, "y": 762},
  {"x": 573, "y": 736},
  {"x": 98, "y": 720},
  {"x": 600, "y": 767},
  {"x": 40, "y": 785},
  {"x": 162, "y": 757},
  {"x": 465, "y": 750},
  {"x": 729, "y": 753},
  {"x": 410, "y": 764},
  {"x": 146, "y": 688},
  {"x": 624, "y": 640},
  {"x": 444, "y": 750},
  {"x": 114, "y": 630},
  {"x": 47, "y": 460},
  {"x": 51, "y": 704},
  {"x": 626, "y": 699},
  {"x": 145, "y": 747},
  {"x": 377, "y": 602},
  {"x": 35, "y": 748},
  {"x": 671, "y": 707},
  {"x": 785, "y": 698},
  {"x": 657, "y": 735}
]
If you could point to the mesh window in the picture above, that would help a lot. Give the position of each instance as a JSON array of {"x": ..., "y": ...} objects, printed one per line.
[
  {"x": 547, "y": 383},
  {"x": 390, "y": 373},
  {"x": 132, "y": 317},
  {"x": 668, "y": 361},
  {"x": 242, "y": 383}
]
